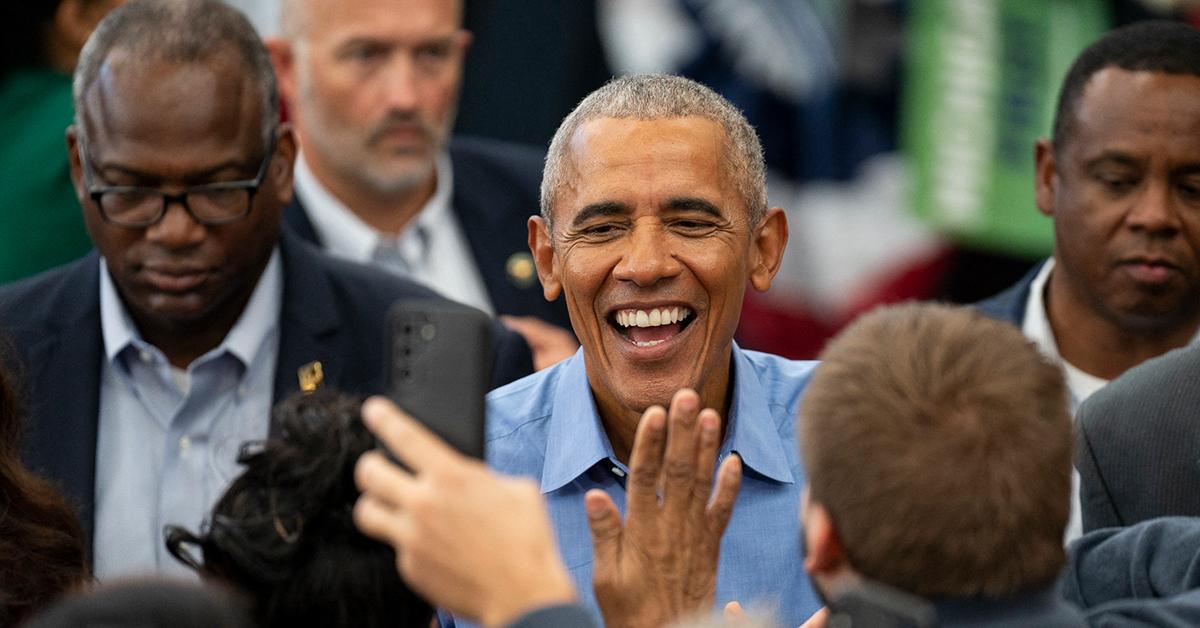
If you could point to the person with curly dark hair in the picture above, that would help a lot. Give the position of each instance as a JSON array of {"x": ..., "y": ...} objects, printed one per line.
[
  {"x": 41, "y": 542},
  {"x": 283, "y": 533}
]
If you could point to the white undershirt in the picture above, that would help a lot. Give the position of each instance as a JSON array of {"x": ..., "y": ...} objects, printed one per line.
[
  {"x": 1080, "y": 384},
  {"x": 446, "y": 265},
  {"x": 1037, "y": 328}
]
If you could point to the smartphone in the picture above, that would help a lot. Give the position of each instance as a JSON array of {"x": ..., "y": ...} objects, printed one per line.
[
  {"x": 439, "y": 368},
  {"x": 879, "y": 606}
]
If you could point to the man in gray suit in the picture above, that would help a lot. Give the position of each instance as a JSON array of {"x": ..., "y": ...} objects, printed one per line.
[{"x": 1136, "y": 447}]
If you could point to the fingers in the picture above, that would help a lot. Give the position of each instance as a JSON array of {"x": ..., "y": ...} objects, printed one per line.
[
  {"x": 645, "y": 462},
  {"x": 604, "y": 520},
  {"x": 405, "y": 437},
  {"x": 720, "y": 507},
  {"x": 679, "y": 462},
  {"x": 708, "y": 439},
  {"x": 733, "y": 613},
  {"x": 375, "y": 475},
  {"x": 820, "y": 619},
  {"x": 379, "y": 521}
]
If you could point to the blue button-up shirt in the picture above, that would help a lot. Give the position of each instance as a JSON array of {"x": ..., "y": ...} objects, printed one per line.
[
  {"x": 168, "y": 439},
  {"x": 546, "y": 426}
]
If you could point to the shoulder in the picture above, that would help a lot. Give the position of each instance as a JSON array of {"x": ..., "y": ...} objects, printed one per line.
[
  {"x": 782, "y": 380},
  {"x": 26, "y": 302},
  {"x": 518, "y": 421},
  {"x": 493, "y": 165},
  {"x": 518, "y": 157},
  {"x": 1158, "y": 389},
  {"x": 1009, "y": 305}
]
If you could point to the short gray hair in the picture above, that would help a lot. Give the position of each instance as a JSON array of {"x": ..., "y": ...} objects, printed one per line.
[
  {"x": 657, "y": 96},
  {"x": 178, "y": 31}
]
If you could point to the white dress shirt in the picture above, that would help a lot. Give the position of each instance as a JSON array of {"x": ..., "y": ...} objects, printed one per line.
[
  {"x": 1080, "y": 384},
  {"x": 434, "y": 249},
  {"x": 168, "y": 438}
]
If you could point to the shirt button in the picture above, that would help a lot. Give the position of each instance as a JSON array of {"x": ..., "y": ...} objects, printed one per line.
[
  {"x": 145, "y": 356},
  {"x": 618, "y": 472},
  {"x": 184, "y": 443}
]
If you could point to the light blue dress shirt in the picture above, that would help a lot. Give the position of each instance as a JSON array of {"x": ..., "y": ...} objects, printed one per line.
[
  {"x": 546, "y": 426},
  {"x": 168, "y": 441}
]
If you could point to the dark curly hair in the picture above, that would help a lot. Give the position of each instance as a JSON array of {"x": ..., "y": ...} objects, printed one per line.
[
  {"x": 283, "y": 534},
  {"x": 42, "y": 551}
]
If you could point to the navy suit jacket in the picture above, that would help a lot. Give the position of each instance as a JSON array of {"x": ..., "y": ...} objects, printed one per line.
[
  {"x": 332, "y": 311},
  {"x": 1010, "y": 304},
  {"x": 496, "y": 190}
]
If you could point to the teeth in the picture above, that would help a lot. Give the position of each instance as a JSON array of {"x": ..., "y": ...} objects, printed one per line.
[{"x": 652, "y": 318}]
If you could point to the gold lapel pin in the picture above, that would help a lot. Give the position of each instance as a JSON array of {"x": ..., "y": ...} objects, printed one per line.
[
  {"x": 520, "y": 269},
  {"x": 311, "y": 376}
]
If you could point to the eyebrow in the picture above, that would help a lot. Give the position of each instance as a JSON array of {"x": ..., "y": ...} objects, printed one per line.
[
  {"x": 595, "y": 210},
  {"x": 200, "y": 175},
  {"x": 1113, "y": 157},
  {"x": 693, "y": 204}
]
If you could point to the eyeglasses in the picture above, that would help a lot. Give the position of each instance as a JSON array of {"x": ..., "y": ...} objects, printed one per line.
[{"x": 210, "y": 204}]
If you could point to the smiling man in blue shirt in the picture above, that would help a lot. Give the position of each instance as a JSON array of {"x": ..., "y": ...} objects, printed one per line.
[{"x": 654, "y": 219}]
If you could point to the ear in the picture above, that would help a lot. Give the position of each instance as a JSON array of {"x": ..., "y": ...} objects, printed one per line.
[
  {"x": 825, "y": 554},
  {"x": 283, "y": 57},
  {"x": 768, "y": 242},
  {"x": 1045, "y": 176},
  {"x": 74, "y": 21},
  {"x": 280, "y": 170},
  {"x": 73, "y": 155},
  {"x": 465, "y": 39},
  {"x": 542, "y": 248}
]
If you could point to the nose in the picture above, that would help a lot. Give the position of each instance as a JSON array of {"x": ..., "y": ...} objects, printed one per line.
[
  {"x": 649, "y": 258},
  {"x": 1153, "y": 210},
  {"x": 400, "y": 83},
  {"x": 177, "y": 229}
]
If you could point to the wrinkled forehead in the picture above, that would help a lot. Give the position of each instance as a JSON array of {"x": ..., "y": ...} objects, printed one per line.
[
  {"x": 323, "y": 19},
  {"x": 172, "y": 104},
  {"x": 611, "y": 158}
]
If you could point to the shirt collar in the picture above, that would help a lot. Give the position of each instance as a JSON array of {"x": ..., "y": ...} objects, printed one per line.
[
  {"x": 346, "y": 235},
  {"x": 245, "y": 338},
  {"x": 576, "y": 440}
]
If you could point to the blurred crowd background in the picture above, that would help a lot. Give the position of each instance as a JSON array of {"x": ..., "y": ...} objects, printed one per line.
[{"x": 899, "y": 134}]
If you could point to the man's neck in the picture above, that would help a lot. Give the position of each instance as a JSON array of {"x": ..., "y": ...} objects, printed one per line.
[
  {"x": 385, "y": 213},
  {"x": 182, "y": 344},
  {"x": 1097, "y": 345},
  {"x": 620, "y": 422}
]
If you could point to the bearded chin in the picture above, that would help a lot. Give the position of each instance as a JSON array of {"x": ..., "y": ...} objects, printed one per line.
[{"x": 396, "y": 181}]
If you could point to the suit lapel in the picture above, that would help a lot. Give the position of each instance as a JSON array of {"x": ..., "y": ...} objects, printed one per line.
[
  {"x": 64, "y": 380},
  {"x": 308, "y": 321},
  {"x": 481, "y": 221},
  {"x": 295, "y": 217}
]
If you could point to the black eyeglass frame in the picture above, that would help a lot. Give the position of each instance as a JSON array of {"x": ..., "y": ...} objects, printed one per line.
[{"x": 250, "y": 185}]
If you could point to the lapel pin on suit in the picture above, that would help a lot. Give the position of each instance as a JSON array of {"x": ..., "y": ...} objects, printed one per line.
[
  {"x": 520, "y": 270},
  {"x": 311, "y": 376}
]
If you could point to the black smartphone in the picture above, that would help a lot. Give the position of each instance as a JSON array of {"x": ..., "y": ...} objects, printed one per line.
[
  {"x": 879, "y": 606},
  {"x": 439, "y": 368}
]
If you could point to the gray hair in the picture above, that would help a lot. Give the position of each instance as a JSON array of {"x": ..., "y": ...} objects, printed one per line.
[
  {"x": 657, "y": 96},
  {"x": 178, "y": 31}
]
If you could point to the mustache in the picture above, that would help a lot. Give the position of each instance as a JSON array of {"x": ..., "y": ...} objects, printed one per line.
[{"x": 400, "y": 119}]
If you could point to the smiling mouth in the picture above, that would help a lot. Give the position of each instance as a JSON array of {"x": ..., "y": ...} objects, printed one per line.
[{"x": 647, "y": 328}]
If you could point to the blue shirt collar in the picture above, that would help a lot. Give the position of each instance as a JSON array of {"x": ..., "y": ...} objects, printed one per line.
[
  {"x": 577, "y": 441},
  {"x": 244, "y": 339}
]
